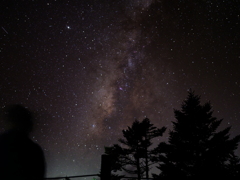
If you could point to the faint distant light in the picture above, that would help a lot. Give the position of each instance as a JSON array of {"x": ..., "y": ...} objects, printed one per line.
[{"x": 68, "y": 27}]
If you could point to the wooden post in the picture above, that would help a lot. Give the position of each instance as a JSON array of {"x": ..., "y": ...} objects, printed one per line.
[{"x": 106, "y": 167}]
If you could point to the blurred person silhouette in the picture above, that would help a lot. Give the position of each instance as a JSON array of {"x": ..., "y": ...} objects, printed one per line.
[{"x": 20, "y": 157}]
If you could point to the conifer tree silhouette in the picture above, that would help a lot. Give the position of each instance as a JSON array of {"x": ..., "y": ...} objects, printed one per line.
[
  {"x": 233, "y": 167},
  {"x": 195, "y": 149},
  {"x": 135, "y": 152}
]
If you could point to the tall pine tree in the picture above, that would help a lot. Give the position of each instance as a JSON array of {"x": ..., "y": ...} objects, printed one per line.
[
  {"x": 195, "y": 148},
  {"x": 134, "y": 156}
]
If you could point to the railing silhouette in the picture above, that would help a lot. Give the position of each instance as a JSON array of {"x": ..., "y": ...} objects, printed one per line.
[
  {"x": 105, "y": 171},
  {"x": 71, "y": 177},
  {"x": 91, "y": 175}
]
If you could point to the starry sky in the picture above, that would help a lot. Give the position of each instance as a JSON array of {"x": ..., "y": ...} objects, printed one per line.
[{"x": 88, "y": 69}]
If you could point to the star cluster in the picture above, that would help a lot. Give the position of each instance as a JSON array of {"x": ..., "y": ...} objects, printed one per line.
[{"x": 90, "y": 68}]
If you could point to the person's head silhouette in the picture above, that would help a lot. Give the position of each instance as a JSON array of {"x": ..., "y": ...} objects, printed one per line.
[
  {"x": 19, "y": 118},
  {"x": 20, "y": 157}
]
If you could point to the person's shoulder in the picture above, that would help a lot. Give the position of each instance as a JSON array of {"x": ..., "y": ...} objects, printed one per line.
[
  {"x": 36, "y": 147},
  {"x": 4, "y": 136},
  {"x": 1, "y": 137}
]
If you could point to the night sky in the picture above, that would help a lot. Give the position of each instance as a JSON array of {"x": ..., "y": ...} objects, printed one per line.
[{"x": 89, "y": 68}]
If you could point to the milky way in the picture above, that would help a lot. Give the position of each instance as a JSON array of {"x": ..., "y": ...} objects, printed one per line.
[{"x": 90, "y": 68}]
